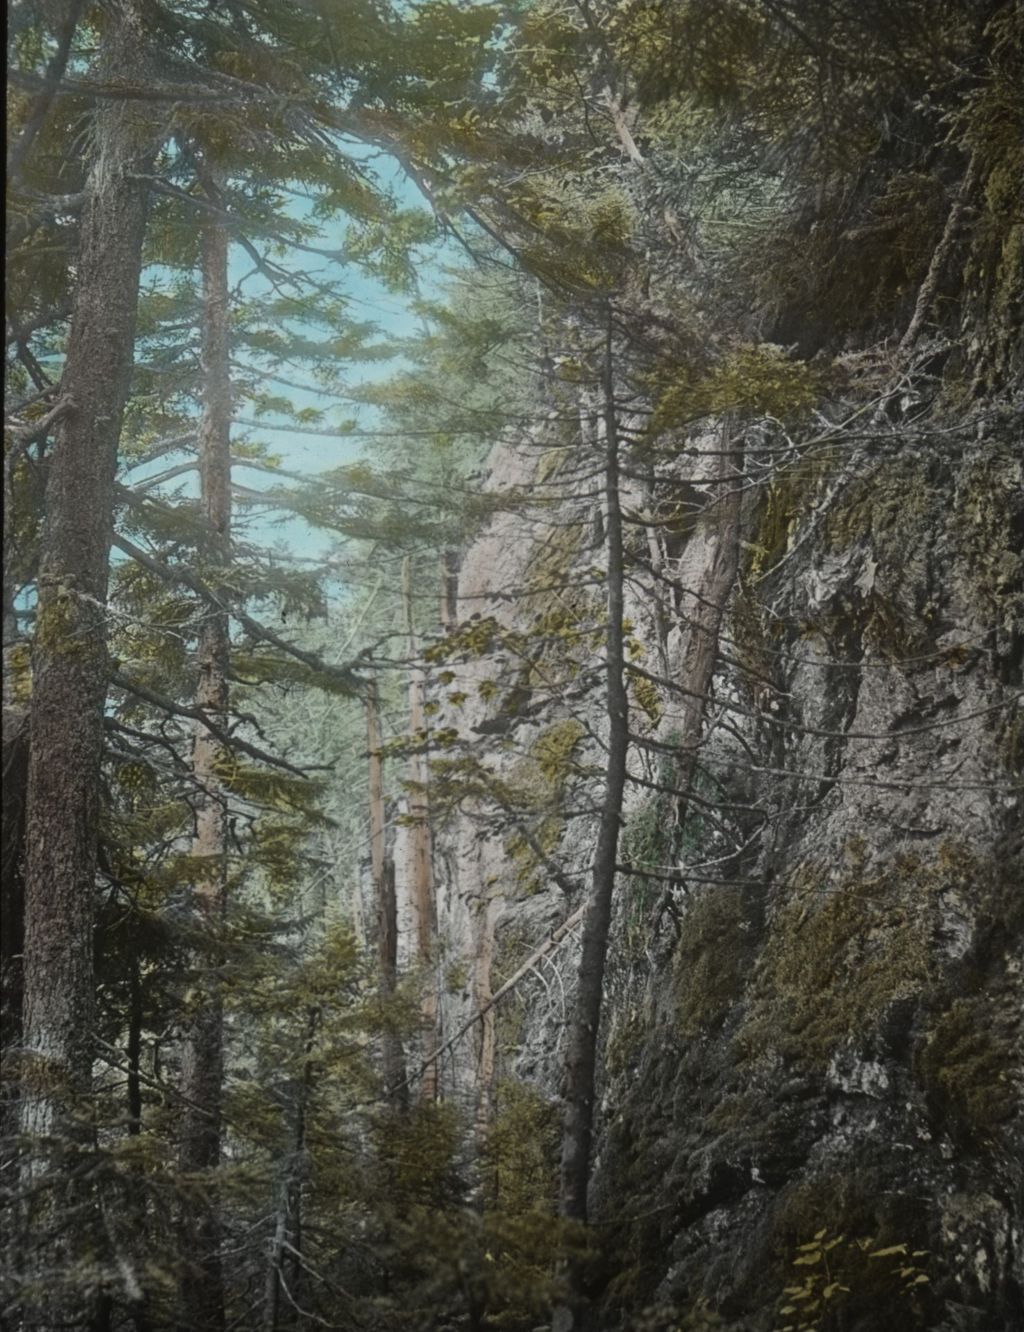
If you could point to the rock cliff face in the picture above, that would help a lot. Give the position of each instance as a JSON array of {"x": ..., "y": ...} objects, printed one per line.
[{"x": 810, "y": 1109}]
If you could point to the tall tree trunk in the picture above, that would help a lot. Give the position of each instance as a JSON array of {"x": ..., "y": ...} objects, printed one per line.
[
  {"x": 581, "y": 1053},
  {"x": 133, "y": 1090},
  {"x": 449, "y": 589},
  {"x": 12, "y": 913},
  {"x": 421, "y": 866},
  {"x": 70, "y": 665},
  {"x": 201, "y": 1299},
  {"x": 285, "y": 1267},
  {"x": 483, "y": 996},
  {"x": 383, "y": 871}
]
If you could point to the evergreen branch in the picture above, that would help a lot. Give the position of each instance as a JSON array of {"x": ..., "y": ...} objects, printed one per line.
[
  {"x": 229, "y": 741},
  {"x": 44, "y": 97},
  {"x": 343, "y": 675},
  {"x": 22, "y": 435}
]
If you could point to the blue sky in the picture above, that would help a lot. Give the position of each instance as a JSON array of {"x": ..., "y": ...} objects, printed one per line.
[{"x": 371, "y": 300}]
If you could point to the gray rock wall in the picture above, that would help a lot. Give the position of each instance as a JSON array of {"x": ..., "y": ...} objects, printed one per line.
[{"x": 812, "y": 1047}]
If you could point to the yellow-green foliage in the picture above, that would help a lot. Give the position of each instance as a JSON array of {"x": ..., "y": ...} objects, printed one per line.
[
  {"x": 583, "y": 241},
  {"x": 647, "y": 697},
  {"x": 472, "y": 639},
  {"x": 838, "y": 956},
  {"x": 753, "y": 380},
  {"x": 544, "y": 773},
  {"x": 521, "y": 1152},
  {"x": 548, "y": 568},
  {"x": 416, "y": 1154},
  {"x": 62, "y": 630},
  {"x": 553, "y": 749},
  {"x": 784, "y": 503},
  {"x": 990, "y": 125},
  {"x": 456, "y": 975},
  {"x": 18, "y": 672},
  {"x": 831, "y": 1272},
  {"x": 645, "y": 693}
]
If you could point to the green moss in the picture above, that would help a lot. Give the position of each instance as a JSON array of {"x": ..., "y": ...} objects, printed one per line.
[
  {"x": 887, "y": 505},
  {"x": 756, "y": 637},
  {"x": 553, "y": 749},
  {"x": 1012, "y": 744},
  {"x": 891, "y": 632},
  {"x": 646, "y": 843},
  {"x": 837, "y": 957},
  {"x": 971, "y": 1060},
  {"x": 783, "y": 503},
  {"x": 986, "y": 511},
  {"x": 712, "y": 960}
]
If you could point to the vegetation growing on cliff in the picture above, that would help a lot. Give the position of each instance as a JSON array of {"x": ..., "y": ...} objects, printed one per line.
[{"x": 657, "y": 967}]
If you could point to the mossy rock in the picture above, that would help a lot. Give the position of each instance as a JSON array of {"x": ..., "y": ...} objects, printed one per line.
[
  {"x": 988, "y": 525},
  {"x": 837, "y": 957},
  {"x": 889, "y": 505},
  {"x": 785, "y": 502},
  {"x": 712, "y": 959},
  {"x": 970, "y": 1062}
]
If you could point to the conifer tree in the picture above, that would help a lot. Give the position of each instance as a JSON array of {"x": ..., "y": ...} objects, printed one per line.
[
  {"x": 69, "y": 660},
  {"x": 202, "y": 1299}
]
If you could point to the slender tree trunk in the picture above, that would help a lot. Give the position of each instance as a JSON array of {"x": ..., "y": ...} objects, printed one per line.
[
  {"x": 421, "y": 867},
  {"x": 134, "y": 1048},
  {"x": 581, "y": 1053},
  {"x": 483, "y": 995},
  {"x": 449, "y": 589},
  {"x": 285, "y": 1266},
  {"x": 12, "y": 911},
  {"x": 383, "y": 871},
  {"x": 70, "y": 671},
  {"x": 201, "y": 1296}
]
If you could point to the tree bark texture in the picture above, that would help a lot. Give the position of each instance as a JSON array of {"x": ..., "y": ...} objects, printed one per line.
[
  {"x": 70, "y": 662},
  {"x": 382, "y": 868},
  {"x": 421, "y": 858},
  {"x": 483, "y": 996},
  {"x": 285, "y": 1270},
  {"x": 581, "y": 1053},
  {"x": 203, "y": 1065},
  {"x": 12, "y": 912}
]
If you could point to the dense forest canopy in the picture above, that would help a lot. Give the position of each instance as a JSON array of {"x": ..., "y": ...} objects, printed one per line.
[{"x": 513, "y": 625}]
